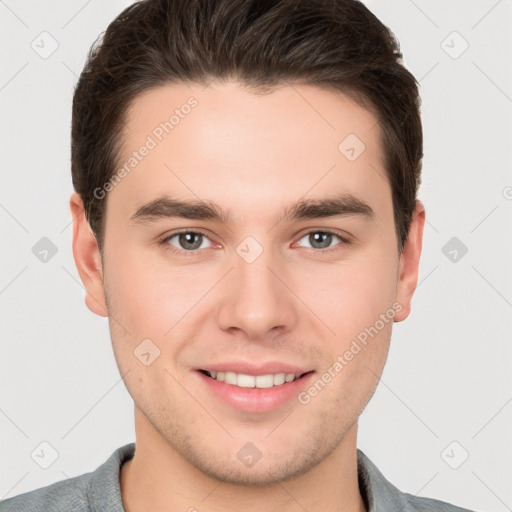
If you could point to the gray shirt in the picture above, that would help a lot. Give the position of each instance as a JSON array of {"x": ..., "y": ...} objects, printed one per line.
[{"x": 100, "y": 491}]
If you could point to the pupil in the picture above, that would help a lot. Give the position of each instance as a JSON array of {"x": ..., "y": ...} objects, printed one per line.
[
  {"x": 186, "y": 240},
  {"x": 322, "y": 240}
]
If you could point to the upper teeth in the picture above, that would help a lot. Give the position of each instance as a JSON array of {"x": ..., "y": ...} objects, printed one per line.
[{"x": 254, "y": 381}]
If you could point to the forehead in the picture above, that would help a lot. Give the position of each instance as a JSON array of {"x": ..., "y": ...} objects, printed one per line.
[{"x": 225, "y": 142}]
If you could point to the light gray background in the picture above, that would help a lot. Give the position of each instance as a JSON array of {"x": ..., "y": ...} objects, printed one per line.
[{"x": 448, "y": 374}]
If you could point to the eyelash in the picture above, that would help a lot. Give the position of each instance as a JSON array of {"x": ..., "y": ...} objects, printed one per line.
[{"x": 173, "y": 250}]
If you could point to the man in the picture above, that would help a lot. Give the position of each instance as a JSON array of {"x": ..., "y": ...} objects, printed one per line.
[{"x": 245, "y": 214}]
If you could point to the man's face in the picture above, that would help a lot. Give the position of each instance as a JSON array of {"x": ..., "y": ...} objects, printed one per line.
[{"x": 255, "y": 292}]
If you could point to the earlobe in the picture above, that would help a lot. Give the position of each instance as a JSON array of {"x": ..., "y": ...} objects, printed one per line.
[
  {"x": 87, "y": 258},
  {"x": 409, "y": 262}
]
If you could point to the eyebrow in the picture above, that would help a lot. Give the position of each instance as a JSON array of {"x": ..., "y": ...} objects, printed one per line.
[{"x": 166, "y": 207}]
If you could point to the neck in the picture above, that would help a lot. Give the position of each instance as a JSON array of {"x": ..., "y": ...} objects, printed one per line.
[{"x": 160, "y": 479}]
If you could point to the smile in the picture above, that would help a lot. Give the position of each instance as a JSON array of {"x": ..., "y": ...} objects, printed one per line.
[
  {"x": 252, "y": 381},
  {"x": 256, "y": 388}
]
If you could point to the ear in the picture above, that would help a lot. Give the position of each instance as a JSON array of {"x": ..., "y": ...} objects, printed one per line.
[
  {"x": 87, "y": 258},
  {"x": 409, "y": 262}
]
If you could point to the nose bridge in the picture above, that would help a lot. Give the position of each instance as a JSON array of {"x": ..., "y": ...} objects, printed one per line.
[{"x": 256, "y": 301}]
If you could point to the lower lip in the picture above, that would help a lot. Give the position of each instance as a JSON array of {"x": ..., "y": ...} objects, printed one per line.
[{"x": 256, "y": 399}]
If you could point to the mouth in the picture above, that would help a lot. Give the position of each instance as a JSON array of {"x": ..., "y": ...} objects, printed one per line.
[
  {"x": 251, "y": 387},
  {"x": 242, "y": 380}
]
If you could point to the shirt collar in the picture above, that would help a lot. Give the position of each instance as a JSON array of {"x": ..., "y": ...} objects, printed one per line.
[
  {"x": 378, "y": 493},
  {"x": 104, "y": 489}
]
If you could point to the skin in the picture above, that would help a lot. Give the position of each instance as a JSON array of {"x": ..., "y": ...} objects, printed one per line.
[{"x": 254, "y": 155}]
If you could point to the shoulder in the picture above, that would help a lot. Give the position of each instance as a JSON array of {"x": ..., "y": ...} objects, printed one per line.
[
  {"x": 79, "y": 494},
  {"x": 70, "y": 494},
  {"x": 382, "y": 496},
  {"x": 419, "y": 504}
]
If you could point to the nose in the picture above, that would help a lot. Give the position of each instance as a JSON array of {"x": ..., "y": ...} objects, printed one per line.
[{"x": 257, "y": 301}]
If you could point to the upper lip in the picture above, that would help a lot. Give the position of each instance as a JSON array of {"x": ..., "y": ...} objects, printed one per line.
[{"x": 248, "y": 368}]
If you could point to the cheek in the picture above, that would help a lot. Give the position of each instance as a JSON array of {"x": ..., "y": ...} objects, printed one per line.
[
  {"x": 356, "y": 302},
  {"x": 152, "y": 299},
  {"x": 352, "y": 295}
]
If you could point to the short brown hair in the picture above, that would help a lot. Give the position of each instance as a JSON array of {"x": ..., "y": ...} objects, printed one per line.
[{"x": 334, "y": 44}]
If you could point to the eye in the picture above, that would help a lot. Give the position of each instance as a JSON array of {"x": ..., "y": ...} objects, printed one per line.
[
  {"x": 192, "y": 241},
  {"x": 321, "y": 239},
  {"x": 188, "y": 241}
]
